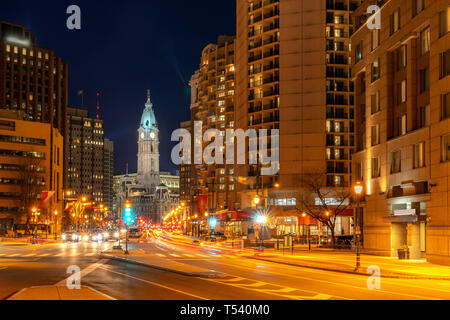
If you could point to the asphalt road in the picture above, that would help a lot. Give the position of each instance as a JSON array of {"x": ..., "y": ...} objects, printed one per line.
[{"x": 244, "y": 279}]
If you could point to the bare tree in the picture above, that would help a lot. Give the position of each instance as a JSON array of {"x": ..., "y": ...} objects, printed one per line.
[
  {"x": 323, "y": 203},
  {"x": 31, "y": 184}
]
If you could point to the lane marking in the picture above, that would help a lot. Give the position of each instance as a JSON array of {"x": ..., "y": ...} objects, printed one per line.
[
  {"x": 189, "y": 255},
  {"x": 161, "y": 255},
  {"x": 363, "y": 288},
  {"x": 14, "y": 255},
  {"x": 174, "y": 255},
  {"x": 85, "y": 271},
  {"x": 153, "y": 283}
]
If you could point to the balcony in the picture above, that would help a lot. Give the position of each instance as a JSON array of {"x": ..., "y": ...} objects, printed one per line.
[
  {"x": 254, "y": 6},
  {"x": 272, "y": 26},
  {"x": 254, "y": 58},
  {"x": 272, "y": 66}
]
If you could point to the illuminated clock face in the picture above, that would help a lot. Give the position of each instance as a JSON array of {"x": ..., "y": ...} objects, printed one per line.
[
  {"x": 142, "y": 135},
  {"x": 152, "y": 135}
]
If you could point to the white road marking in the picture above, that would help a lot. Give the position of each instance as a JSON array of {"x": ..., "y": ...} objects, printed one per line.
[
  {"x": 174, "y": 255},
  {"x": 85, "y": 271},
  {"x": 153, "y": 283},
  {"x": 161, "y": 255}
]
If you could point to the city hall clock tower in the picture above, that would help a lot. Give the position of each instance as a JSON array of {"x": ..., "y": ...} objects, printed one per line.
[{"x": 148, "y": 148}]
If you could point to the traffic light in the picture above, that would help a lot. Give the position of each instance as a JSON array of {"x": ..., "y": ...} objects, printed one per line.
[{"x": 128, "y": 214}]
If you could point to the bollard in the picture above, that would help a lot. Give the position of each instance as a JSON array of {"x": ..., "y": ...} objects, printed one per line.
[
  {"x": 278, "y": 244},
  {"x": 292, "y": 247}
]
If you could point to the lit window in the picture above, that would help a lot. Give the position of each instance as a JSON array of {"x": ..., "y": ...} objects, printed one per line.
[
  {"x": 425, "y": 41},
  {"x": 419, "y": 155},
  {"x": 444, "y": 22},
  {"x": 395, "y": 21}
]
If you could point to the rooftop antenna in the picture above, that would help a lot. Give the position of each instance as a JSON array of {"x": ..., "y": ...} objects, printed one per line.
[{"x": 98, "y": 105}]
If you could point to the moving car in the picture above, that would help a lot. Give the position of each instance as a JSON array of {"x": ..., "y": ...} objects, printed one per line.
[{"x": 71, "y": 236}]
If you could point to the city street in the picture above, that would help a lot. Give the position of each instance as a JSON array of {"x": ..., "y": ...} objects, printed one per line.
[{"x": 242, "y": 278}]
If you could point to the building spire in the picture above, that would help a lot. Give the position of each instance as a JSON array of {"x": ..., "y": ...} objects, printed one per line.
[{"x": 149, "y": 103}]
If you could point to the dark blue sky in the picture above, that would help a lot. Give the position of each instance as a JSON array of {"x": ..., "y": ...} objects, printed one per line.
[{"x": 123, "y": 48}]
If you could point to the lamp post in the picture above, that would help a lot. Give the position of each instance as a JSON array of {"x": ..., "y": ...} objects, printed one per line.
[
  {"x": 56, "y": 224},
  {"x": 35, "y": 214},
  {"x": 261, "y": 220},
  {"x": 358, "y": 190}
]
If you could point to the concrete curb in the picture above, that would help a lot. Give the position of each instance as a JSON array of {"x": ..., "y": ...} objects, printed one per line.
[
  {"x": 389, "y": 276},
  {"x": 154, "y": 266}
]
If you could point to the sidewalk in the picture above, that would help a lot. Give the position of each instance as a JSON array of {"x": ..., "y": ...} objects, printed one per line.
[
  {"x": 59, "y": 293},
  {"x": 140, "y": 257},
  {"x": 345, "y": 261}
]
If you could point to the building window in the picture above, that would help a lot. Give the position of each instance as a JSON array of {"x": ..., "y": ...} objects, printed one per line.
[
  {"x": 401, "y": 92},
  {"x": 402, "y": 125},
  {"x": 425, "y": 41},
  {"x": 359, "y": 170},
  {"x": 375, "y": 167},
  {"x": 418, "y": 6},
  {"x": 424, "y": 80},
  {"x": 375, "y": 70},
  {"x": 358, "y": 56},
  {"x": 396, "y": 165},
  {"x": 444, "y": 22},
  {"x": 375, "y": 102},
  {"x": 445, "y": 148},
  {"x": 375, "y": 130},
  {"x": 375, "y": 38},
  {"x": 445, "y": 63},
  {"x": 424, "y": 116},
  {"x": 401, "y": 57},
  {"x": 395, "y": 21},
  {"x": 445, "y": 102},
  {"x": 419, "y": 155}
]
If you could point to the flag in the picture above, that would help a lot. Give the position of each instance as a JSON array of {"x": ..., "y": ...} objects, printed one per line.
[
  {"x": 45, "y": 198},
  {"x": 80, "y": 92}
]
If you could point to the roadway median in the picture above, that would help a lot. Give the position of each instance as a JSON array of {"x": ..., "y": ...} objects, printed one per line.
[{"x": 139, "y": 257}]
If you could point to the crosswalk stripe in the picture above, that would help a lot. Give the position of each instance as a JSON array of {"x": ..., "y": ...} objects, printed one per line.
[
  {"x": 174, "y": 255},
  {"x": 29, "y": 255}
]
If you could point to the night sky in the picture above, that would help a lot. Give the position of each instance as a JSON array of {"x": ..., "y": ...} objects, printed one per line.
[{"x": 123, "y": 48}]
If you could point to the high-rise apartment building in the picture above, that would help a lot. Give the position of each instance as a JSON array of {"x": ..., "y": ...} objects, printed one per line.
[
  {"x": 108, "y": 173},
  {"x": 33, "y": 79},
  {"x": 186, "y": 180},
  {"x": 86, "y": 145},
  {"x": 293, "y": 74},
  {"x": 212, "y": 104},
  {"x": 402, "y": 86}
]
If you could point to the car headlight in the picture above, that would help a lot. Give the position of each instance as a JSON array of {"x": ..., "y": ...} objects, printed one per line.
[
  {"x": 64, "y": 237},
  {"x": 106, "y": 234},
  {"x": 86, "y": 238},
  {"x": 94, "y": 238},
  {"x": 116, "y": 235},
  {"x": 74, "y": 237}
]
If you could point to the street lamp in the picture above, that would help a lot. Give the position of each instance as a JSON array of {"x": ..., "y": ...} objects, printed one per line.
[
  {"x": 358, "y": 191},
  {"x": 261, "y": 220},
  {"x": 56, "y": 224},
  {"x": 256, "y": 200}
]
